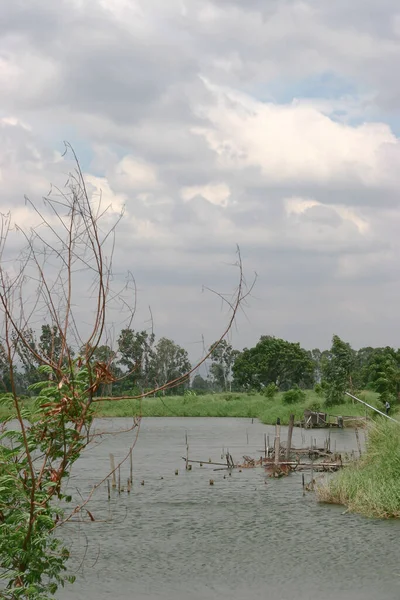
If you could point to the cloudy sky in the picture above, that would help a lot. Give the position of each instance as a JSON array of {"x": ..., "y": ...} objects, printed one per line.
[{"x": 272, "y": 124}]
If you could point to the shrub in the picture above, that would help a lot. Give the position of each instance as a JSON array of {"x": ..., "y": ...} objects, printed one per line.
[
  {"x": 318, "y": 389},
  {"x": 270, "y": 390},
  {"x": 334, "y": 396},
  {"x": 294, "y": 396},
  {"x": 314, "y": 405}
]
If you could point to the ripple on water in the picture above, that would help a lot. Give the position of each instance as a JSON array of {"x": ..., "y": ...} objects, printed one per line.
[{"x": 245, "y": 537}]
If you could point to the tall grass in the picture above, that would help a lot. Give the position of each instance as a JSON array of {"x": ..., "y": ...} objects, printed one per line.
[
  {"x": 226, "y": 405},
  {"x": 370, "y": 487}
]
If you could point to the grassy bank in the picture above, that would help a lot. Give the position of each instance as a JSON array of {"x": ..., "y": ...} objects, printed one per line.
[
  {"x": 217, "y": 405},
  {"x": 226, "y": 405},
  {"x": 370, "y": 487}
]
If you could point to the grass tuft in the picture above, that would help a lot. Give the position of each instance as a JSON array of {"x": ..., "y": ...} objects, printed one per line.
[{"x": 371, "y": 486}]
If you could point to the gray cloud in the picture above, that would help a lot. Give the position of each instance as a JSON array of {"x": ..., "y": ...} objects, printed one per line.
[{"x": 168, "y": 97}]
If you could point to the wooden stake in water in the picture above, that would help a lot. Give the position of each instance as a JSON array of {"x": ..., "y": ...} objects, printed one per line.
[
  {"x": 289, "y": 437},
  {"x": 277, "y": 441},
  {"x": 108, "y": 490},
  {"x": 112, "y": 465},
  {"x": 128, "y": 486},
  {"x": 303, "y": 483},
  {"x": 130, "y": 467},
  {"x": 119, "y": 479},
  {"x": 312, "y": 474},
  {"x": 265, "y": 445},
  {"x": 187, "y": 451}
]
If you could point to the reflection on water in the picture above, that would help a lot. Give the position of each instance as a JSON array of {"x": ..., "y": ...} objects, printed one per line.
[{"x": 177, "y": 537}]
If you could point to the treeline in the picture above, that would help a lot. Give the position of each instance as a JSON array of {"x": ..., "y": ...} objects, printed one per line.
[
  {"x": 140, "y": 363},
  {"x": 274, "y": 365}
]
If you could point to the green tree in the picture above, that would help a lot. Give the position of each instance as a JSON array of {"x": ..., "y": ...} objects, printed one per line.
[
  {"x": 273, "y": 360},
  {"x": 136, "y": 353},
  {"x": 28, "y": 353},
  {"x": 168, "y": 362},
  {"x": 222, "y": 358},
  {"x": 382, "y": 373},
  {"x": 199, "y": 384},
  {"x": 337, "y": 369},
  {"x": 50, "y": 342}
]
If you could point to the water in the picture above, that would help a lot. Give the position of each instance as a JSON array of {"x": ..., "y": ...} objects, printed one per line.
[{"x": 178, "y": 538}]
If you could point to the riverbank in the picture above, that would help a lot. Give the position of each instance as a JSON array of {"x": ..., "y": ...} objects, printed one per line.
[
  {"x": 241, "y": 405},
  {"x": 252, "y": 406},
  {"x": 371, "y": 486}
]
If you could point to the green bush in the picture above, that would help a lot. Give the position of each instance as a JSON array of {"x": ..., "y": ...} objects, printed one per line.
[
  {"x": 314, "y": 405},
  {"x": 318, "y": 389},
  {"x": 294, "y": 396},
  {"x": 334, "y": 396},
  {"x": 270, "y": 390}
]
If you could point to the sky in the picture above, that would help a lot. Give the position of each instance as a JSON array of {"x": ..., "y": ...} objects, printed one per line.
[{"x": 269, "y": 124}]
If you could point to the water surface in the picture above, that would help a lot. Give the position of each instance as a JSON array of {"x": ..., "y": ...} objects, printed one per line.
[{"x": 245, "y": 537}]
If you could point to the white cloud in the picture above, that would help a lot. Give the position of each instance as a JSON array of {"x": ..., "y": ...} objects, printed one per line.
[
  {"x": 296, "y": 142},
  {"x": 216, "y": 193},
  {"x": 135, "y": 174}
]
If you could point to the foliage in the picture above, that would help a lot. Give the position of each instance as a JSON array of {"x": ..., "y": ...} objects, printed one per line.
[
  {"x": 371, "y": 486},
  {"x": 32, "y": 559},
  {"x": 200, "y": 385},
  {"x": 294, "y": 396},
  {"x": 382, "y": 373},
  {"x": 273, "y": 360},
  {"x": 168, "y": 362},
  {"x": 337, "y": 371},
  {"x": 270, "y": 390},
  {"x": 136, "y": 351},
  {"x": 314, "y": 404},
  {"x": 222, "y": 358},
  {"x": 318, "y": 389}
]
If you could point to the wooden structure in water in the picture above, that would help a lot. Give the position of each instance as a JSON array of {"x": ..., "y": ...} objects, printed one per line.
[{"x": 314, "y": 420}]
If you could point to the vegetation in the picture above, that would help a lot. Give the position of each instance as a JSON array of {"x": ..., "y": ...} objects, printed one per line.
[
  {"x": 230, "y": 404},
  {"x": 371, "y": 486},
  {"x": 141, "y": 362}
]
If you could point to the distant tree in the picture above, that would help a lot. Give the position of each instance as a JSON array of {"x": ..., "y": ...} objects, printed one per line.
[
  {"x": 168, "y": 362},
  {"x": 199, "y": 384},
  {"x": 338, "y": 368},
  {"x": 222, "y": 358},
  {"x": 27, "y": 352},
  {"x": 317, "y": 358},
  {"x": 383, "y": 373},
  {"x": 273, "y": 360},
  {"x": 362, "y": 362},
  {"x": 50, "y": 342},
  {"x": 135, "y": 352}
]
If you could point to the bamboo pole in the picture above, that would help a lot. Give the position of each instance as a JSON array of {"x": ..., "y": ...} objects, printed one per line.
[
  {"x": 372, "y": 407},
  {"x": 112, "y": 465},
  {"x": 187, "y": 451},
  {"x": 277, "y": 441},
  {"x": 289, "y": 438}
]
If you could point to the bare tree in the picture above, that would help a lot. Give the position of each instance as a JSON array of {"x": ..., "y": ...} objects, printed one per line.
[{"x": 67, "y": 255}]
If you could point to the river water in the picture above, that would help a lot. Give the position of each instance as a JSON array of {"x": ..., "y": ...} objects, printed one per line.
[{"x": 246, "y": 537}]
